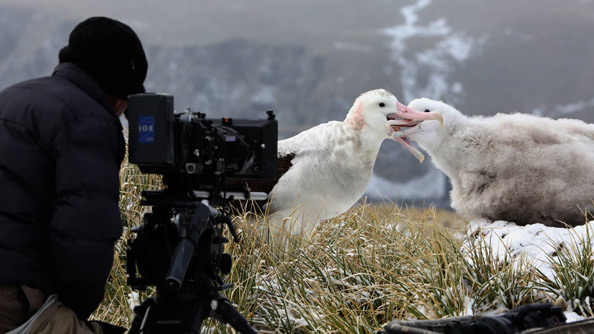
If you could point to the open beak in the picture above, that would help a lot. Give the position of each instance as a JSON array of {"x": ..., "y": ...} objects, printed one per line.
[
  {"x": 407, "y": 144},
  {"x": 407, "y": 113},
  {"x": 408, "y": 118},
  {"x": 405, "y": 117}
]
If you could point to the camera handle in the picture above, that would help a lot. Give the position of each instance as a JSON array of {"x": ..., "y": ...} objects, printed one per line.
[{"x": 189, "y": 232}]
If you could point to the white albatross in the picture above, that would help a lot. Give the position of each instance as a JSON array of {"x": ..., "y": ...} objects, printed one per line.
[
  {"x": 331, "y": 164},
  {"x": 514, "y": 167}
]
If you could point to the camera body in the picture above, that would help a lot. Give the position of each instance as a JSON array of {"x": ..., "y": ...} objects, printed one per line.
[
  {"x": 179, "y": 247},
  {"x": 190, "y": 149}
]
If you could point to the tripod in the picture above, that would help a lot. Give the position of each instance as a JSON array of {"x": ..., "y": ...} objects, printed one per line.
[{"x": 179, "y": 249}]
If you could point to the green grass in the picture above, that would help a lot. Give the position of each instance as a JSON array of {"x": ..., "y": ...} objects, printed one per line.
[{"x": 362, "y": 269}]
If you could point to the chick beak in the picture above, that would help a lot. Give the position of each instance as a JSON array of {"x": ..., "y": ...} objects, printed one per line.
[{"x": 405, "y": 112}]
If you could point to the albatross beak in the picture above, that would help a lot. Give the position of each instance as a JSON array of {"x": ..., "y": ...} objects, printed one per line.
[
  {"x": 408, "y": 113},
  {"x": 406, "y": 143},
  {"x": 409, "y": 118}
]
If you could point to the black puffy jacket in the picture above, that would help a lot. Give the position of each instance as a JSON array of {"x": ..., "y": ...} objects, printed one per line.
[{"x": 61, "y": 147}]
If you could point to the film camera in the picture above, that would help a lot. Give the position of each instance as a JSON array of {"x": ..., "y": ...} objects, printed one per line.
[{"x": 179, "y": 247}]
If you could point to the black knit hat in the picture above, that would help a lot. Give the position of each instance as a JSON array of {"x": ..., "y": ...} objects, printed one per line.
[{"x": 110, "y": 52}]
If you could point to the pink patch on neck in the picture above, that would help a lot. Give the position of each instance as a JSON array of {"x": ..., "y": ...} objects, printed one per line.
[{"x": 355, "y": 116}]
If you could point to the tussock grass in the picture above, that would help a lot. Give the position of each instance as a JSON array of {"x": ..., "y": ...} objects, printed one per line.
[
  {"x": 371, "y": 265},
  {"x": 498, "y": 282},
  {"x": 573, "y": 282}
]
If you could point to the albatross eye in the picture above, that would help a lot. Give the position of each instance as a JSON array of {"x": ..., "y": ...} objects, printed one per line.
[
  {"x": 382, "y": 104},
  {"x": 427, "y": 110}
]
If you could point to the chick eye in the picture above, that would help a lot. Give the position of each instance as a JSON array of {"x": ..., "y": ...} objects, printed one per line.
[
  {"x": 382, "y": 104},
  {"x": 427, "y": 110}
]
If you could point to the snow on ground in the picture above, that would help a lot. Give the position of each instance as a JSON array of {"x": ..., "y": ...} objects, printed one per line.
[{"x": 537, "y": 243}]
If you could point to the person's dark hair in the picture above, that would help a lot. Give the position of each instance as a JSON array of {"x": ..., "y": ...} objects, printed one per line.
[{"x": 110, "y": 52}]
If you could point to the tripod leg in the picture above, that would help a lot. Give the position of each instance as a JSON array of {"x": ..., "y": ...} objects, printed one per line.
[
  {"x": 140, "y": 315},
  {"x": 197, "y": 321},
  {"x": 153, "y": 317},
  {"x": 230, "y": 315}
]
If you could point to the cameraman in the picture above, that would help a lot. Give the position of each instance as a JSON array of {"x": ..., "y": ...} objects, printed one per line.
[{"x": 61, "y": 146}]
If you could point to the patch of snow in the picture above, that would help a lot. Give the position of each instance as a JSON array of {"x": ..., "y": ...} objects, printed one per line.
[
  {"x": 573, "y": 317},
  {"x": 133, "y": 299},
  {"x": 535, "y": 243}
]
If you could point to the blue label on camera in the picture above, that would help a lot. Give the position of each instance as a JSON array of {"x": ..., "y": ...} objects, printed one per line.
[{"x": 146, "y": 129}]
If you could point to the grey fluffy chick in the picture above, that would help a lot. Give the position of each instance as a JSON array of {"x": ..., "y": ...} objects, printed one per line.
[{"x": 514, "y": 167}]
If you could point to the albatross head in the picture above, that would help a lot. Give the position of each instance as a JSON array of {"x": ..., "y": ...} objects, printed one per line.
[
  {"x": 372, "y": 109},
  {"x": 427, "y": 133}
]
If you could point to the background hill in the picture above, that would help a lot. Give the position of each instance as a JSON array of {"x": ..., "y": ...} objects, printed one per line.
[{"x": 309, "y": 60}]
